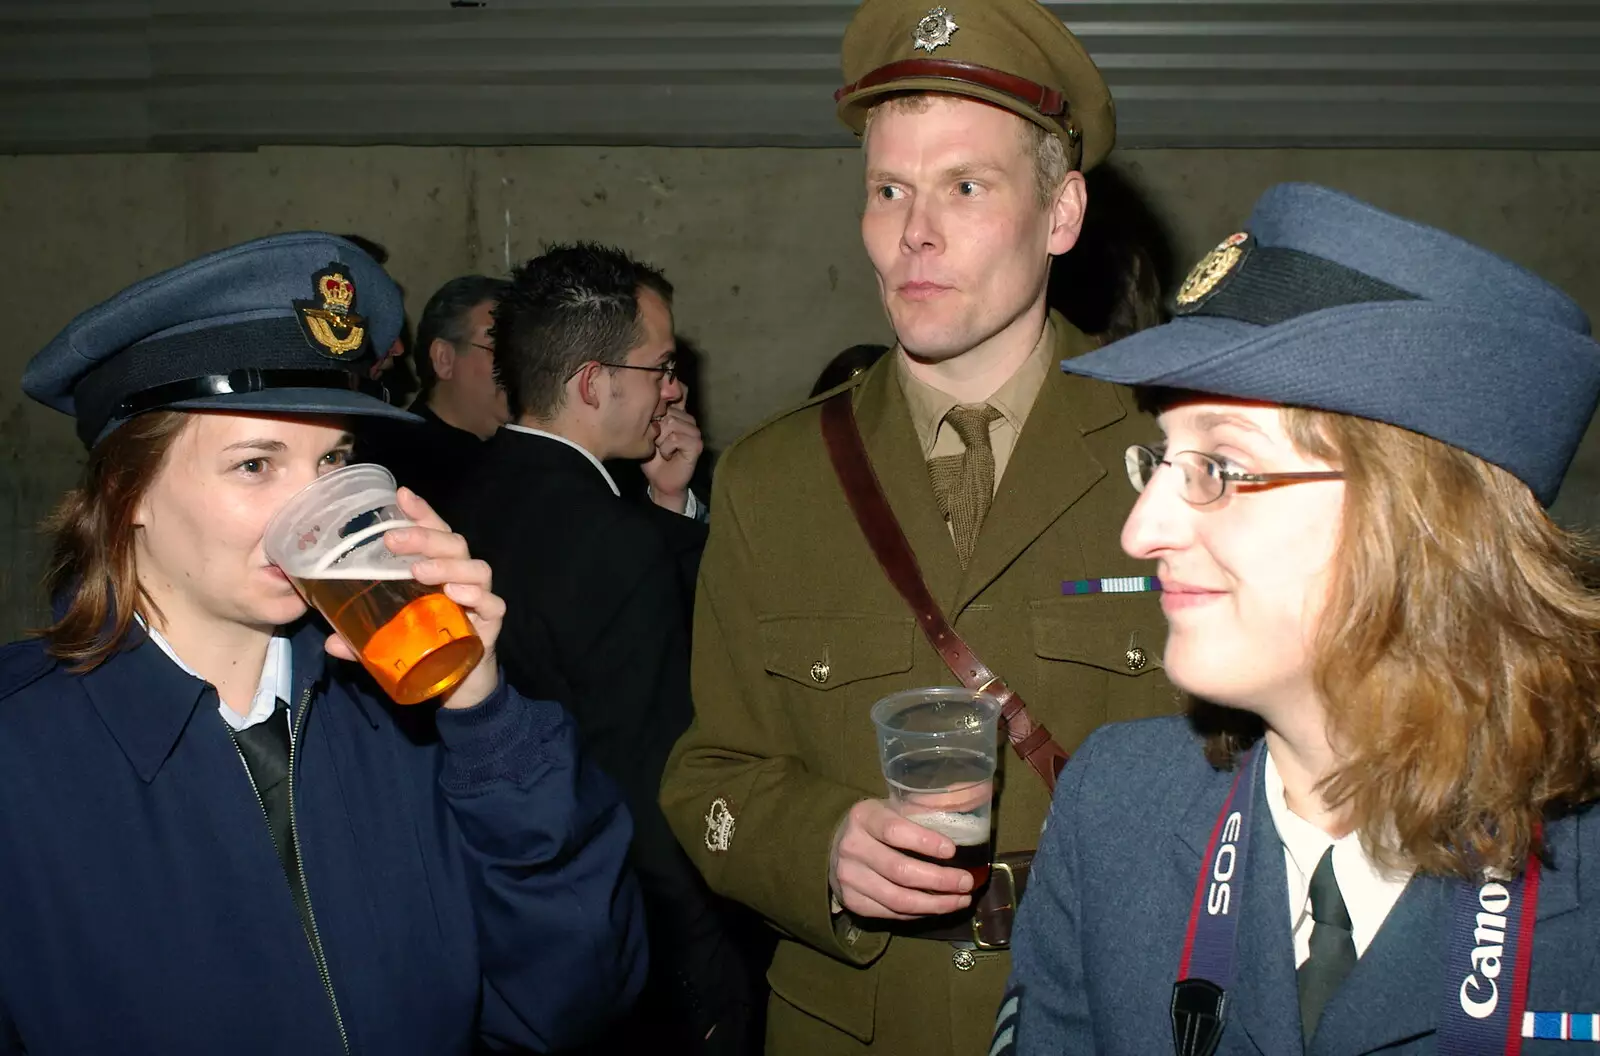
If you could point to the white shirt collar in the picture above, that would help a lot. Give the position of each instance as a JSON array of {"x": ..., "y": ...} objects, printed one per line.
[
  {"x": 1369, "y": 892},
  {"x": 576, "y": 447},
  {"x": 276, "y": 683}
]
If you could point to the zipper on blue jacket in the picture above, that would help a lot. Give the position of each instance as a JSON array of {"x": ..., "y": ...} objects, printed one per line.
[
  {"x": 305, "y": 882},
  {"x": 314, "y": 939}
]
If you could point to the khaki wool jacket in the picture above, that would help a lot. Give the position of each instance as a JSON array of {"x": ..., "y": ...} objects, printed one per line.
[{"x": 798, "y": 632}]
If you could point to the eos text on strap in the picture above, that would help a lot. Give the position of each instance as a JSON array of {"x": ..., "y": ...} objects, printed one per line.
[{"x": 1200, "y": 996}]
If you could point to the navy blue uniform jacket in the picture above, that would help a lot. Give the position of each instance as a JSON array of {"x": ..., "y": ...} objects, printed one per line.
[
  {"x": 469, "y": 889},
  {"x": 1100, "y": 932}
]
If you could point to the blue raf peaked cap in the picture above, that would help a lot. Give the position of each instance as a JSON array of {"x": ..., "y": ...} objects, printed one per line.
[
  {"x": 289, "y": 324},
  {"x": 1326, "y": 302}
]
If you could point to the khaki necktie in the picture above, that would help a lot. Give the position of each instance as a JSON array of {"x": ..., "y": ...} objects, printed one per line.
[{"x": 964, "y": 483}]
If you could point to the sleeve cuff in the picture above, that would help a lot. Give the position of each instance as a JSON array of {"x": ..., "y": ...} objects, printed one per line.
[
  {"x": 504, "y": 737},
  {"x": 693, "y": 508}
]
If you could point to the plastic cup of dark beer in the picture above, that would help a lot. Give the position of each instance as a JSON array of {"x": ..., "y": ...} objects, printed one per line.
[
  {"x": 937, "y": 748},
  {"x": 328, "y": 540}
]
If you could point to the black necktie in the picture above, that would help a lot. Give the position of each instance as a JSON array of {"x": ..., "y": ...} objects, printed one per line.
[
  {"x": 1333, "y": 949},
  {"x": 265, "y": 747}
]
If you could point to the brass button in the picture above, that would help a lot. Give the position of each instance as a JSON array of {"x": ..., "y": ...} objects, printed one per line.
[
  {"x": 1135, "y": 658},
  {"x": 964, "y": 960},
  {"x": 820, "y": 671}
]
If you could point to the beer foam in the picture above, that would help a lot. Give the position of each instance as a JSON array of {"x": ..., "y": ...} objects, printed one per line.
[
  {"x": 370, "y": 575},
  {"x": 370, "y": 560},
  {"x": 964, "y": 830},
  {"x": 359, "y": 555}
]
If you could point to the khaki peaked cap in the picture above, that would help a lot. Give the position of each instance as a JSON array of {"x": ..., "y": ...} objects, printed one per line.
[{"x": 1014, "y": 54}]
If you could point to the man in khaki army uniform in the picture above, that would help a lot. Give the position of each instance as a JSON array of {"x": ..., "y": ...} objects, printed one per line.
[{"x": 1007, "y": 479}]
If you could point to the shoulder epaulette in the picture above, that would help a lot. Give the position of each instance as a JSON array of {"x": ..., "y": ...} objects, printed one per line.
[{"x": 855, "y": 381}]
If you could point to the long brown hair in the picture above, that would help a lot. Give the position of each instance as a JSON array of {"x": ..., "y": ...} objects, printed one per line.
[
  {"x": 92, "y": 570},
  {"x": 1458, "y": 654}
]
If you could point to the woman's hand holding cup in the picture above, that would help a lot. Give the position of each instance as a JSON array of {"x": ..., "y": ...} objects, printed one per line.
[{"x": 445, "y": 562}]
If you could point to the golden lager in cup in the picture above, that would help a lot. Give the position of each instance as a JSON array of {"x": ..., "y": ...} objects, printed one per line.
[{"x": 328, "y": 540}]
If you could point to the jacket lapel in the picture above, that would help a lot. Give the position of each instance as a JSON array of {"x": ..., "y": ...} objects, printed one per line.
[
  {"x": 891, "y": 441},
  {"x": 1558, "y": 880},
  {"x": 1394, "y": 991},
  {"x": 1268, "y": 998},
  {"x": 146, "y": 724},
  {"x": 1050, "y": 468},
  {"x": 1397, "y": 987},
  {"x": 1560, "y": 893}
]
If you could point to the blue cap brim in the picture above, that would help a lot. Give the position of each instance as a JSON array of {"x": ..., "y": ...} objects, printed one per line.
[{"x": 1494, "y": 386}]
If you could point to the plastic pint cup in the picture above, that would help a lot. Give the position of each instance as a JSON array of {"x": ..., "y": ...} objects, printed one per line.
[
  {"x": 328, "y": 540},
  {"x": 937, "y": 748}
]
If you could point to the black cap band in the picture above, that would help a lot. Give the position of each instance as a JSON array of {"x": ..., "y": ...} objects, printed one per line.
[
  {"x": 198, "y": 364},
  {"x": 1267, "y": 285},
  {"x": 248, "y": 380}
]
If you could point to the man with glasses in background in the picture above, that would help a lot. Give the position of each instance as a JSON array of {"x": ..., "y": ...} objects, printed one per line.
[
  {"x": 600, "y": 590},
  {"x": 460, "y": 403}
]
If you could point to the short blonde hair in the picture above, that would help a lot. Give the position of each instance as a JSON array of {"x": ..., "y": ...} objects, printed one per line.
[{"x": 1049, "y": 152}]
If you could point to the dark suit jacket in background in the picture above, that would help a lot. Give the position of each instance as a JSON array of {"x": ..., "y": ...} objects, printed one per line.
[
  {"x": 1101, "y": 930},
  {"x": 599, "y": 595},
  {"x": 431, "y": 457}
]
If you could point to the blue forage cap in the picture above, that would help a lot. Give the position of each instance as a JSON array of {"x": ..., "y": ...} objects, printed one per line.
[
  {"x": 1324, "y": 301},
  {"x": 289, "y": 324}
]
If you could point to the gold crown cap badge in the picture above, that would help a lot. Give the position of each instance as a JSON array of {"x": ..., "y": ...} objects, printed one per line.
[
  {"x": 329, "y": 320},
  {"x": 1212, "y": 269}
]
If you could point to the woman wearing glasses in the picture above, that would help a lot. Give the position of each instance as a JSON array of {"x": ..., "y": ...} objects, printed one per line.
[{"x": 1372, "y": 831}]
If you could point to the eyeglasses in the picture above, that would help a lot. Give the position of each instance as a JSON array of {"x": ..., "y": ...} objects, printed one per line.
[
  {"x": 668, "y": 370},
  {"x": 1206, "y": 477},
  {"x": 486, "y": 348}
]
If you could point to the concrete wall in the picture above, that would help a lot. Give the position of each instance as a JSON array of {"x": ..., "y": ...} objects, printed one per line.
[{"x": 762, "y": 245}]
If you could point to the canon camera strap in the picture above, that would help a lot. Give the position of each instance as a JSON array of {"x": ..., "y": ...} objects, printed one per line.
[{"x": 1491, "y": 944}]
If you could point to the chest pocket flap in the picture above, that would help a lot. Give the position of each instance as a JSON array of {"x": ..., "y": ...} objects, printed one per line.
[
  {"x": 826, "y": 650},
  {"x": 1101, "y": 630}
]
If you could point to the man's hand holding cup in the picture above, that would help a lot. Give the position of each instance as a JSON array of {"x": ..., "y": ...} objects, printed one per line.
[
  {"x": 923, "y": 851},
  {"x": 873, "y": 872}
]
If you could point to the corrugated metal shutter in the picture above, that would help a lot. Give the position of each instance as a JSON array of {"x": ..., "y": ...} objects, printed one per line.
[{"x": 185, "y": 75}]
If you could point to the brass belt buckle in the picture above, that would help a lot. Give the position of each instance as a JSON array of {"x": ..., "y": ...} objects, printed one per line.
[{"x": 996, "y": 872}]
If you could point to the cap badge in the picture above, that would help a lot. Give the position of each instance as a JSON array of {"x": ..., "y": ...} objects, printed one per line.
[
  {"x": 933, "y": 31},
  {"x": 1212, "y": 269},
  {"x": 329, "y": 320}
]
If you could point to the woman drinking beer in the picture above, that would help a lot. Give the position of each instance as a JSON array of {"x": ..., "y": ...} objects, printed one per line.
[
  {"x": 1376, "y": 833},
  {"x": 215, "y": 838}
]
